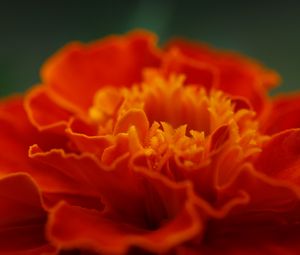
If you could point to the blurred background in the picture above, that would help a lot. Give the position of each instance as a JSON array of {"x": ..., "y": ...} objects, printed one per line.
[{"x": 30, "y": 31}]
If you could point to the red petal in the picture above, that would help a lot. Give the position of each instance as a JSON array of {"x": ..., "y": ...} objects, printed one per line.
[
  {"x": 290, "y": 247},
  {"x": 219, "y": 138},
  {"x": 17, "y": 134},
  {"x": 76, "y": 72},
  {"x": 83, "y": 175},
  {"x": 240, "y": 103},
  {"x": 22, "y": 217},
  {"x": 51, "y": 199},
  {"x": 237, "y": 74},
  {"x": 93, "y": 230},
  {"x": 267, "y": 223},
  {"x": 134, "y": 117},
  {"x": 268, "y": 197},
  {"x": 43, "y": 112},
  {"x": 195, "y": 72},
  {"x": 85, "y": 138},
  {"x": 284, "y": 113},
  {"x": 280, "y": 157},
  {"x": 56, "y": 171},
  {"x": 43, "y": 250}
]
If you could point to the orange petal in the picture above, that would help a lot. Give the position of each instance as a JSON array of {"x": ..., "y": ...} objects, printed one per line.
[
  {"x": 51, "y": 199},
  {"x": 228, "y": 60},
  {"x": 22, "y": 218},
  {"x": 76, "y": 72},
  {"x": 57, "y": 171},
  {"x": 283, "y": 113},
  {"x": 134, "y": 117},
  {"x": 280, "y": 157},
  {"x": 85, "y": 138},
  {"x": 43, "y": 112},
  {"x": 83, "y": 175},
  {"x": 17, "y": 134},
  {"x": 272, "y": 204},
  {"x": 65, "y": 177},
  {"x": 195, "y": 72},
  {"x": 117, "y": 150},
  {"x": 267, "y": 222},
  {"x": 238, "y": 75},
  {"x": 219, "y": 138},
  {"x": 89, "y": 144},
  {"x": 268, "y": 194},
  {"x": 93, "y": 230}
]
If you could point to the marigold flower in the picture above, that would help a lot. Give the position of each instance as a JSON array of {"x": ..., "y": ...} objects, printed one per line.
[{"x": 125, "y": 148}]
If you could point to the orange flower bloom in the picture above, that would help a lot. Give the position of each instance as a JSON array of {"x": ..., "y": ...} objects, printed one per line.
[{"x": 125, "y": 148}]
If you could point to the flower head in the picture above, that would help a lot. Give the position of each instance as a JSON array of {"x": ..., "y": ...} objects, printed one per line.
[{"x": 126, "y": 148}]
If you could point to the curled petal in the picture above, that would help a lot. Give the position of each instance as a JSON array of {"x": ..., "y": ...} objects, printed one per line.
[
  {"x": 114, "y": 61},
  {"x": 85, "y": 138},
  {"x": 280, "y": 157},
  {"x": 240, "y": 103},
  {"x": 237, "y": 75},
  {"x": 273, "y": 206},
  {"x": 219, "y": 138},
  {"x": 57, "y": 171},
  {"x": 226, "y": 61},
  {"x": 283, "y": 113},
  {"x": 17, "y": 134},
  {"x": 134, "y": 117},
  {"x": 93, "y": 230},
  {"x": 22, "y": 217},
  {"x": 202, "y": 74},
  {"x": 43, "y": 112},
  {"x": 268, "y": 195},
  {"x": 265, "y": 223},
  {"x": 83, "y": 175}
]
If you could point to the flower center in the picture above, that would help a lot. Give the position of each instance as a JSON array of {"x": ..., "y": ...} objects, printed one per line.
[
  {"x": 173, "y": 102},
  {"x": 176, "y": 120}
]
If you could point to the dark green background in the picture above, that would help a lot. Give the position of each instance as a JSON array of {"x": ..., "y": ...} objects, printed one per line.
[{"x": 32, "y": 31}]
